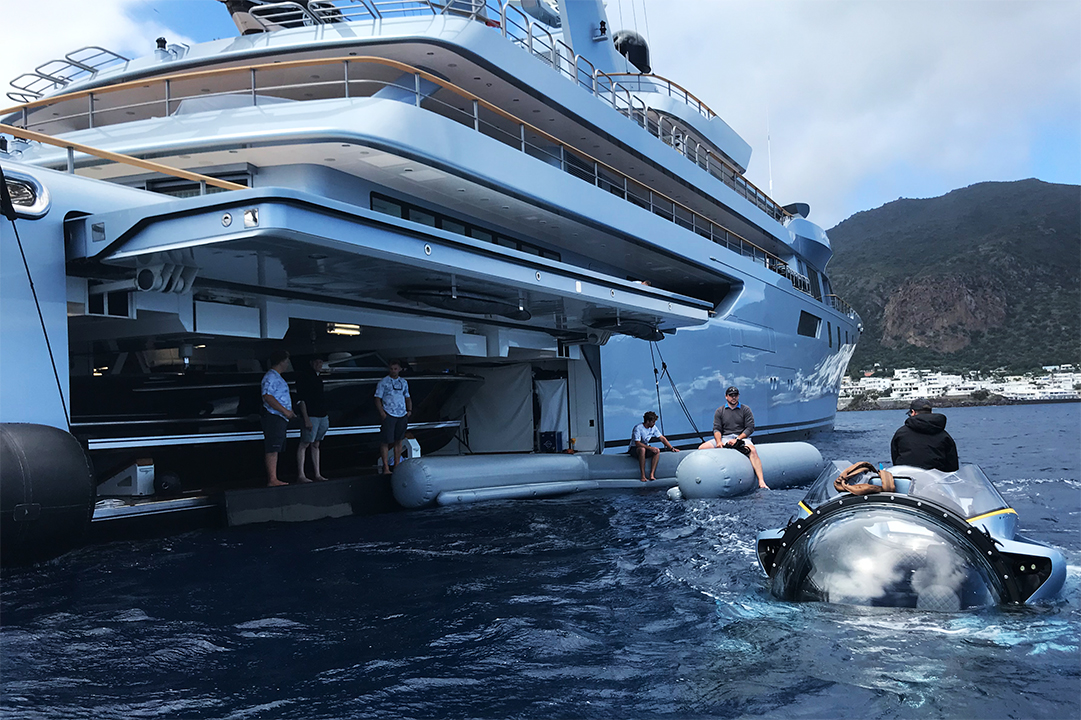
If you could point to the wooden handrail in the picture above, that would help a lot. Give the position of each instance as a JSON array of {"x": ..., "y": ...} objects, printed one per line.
[{"x": 119, "y": 158}]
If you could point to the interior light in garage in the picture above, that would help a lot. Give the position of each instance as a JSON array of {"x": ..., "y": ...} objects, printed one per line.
[{"x": 343, "y": 329}]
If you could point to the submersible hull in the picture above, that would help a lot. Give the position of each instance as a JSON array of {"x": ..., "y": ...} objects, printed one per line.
[{"x": 934, "y": 541}]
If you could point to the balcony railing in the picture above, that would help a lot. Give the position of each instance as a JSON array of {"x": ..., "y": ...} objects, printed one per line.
[
  {"x": 840, "y": 306},
  {"x": 354, "y": 77}
]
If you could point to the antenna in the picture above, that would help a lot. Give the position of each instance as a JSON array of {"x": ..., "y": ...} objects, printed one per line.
[{"x": 769, "y": 153}]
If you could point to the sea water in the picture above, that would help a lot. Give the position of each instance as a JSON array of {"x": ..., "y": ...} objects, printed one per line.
[{"x": 598, "y": 605}]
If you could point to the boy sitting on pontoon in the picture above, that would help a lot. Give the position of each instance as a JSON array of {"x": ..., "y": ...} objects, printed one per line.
[{"x": 641, "y": 435}]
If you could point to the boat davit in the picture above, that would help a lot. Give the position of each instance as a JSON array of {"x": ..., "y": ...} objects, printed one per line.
[{"x": 907, "y": 537}]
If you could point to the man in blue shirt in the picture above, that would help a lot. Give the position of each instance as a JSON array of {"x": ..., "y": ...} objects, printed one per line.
[
  {"x": 277, "y": 412},
  {"x": 642, "y": 433},
  {"x": 395, "y": 406},
  {"x": 733, "y": 424}
]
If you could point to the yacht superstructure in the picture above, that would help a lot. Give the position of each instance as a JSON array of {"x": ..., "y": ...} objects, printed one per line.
[{"x": 492, "y": 192}]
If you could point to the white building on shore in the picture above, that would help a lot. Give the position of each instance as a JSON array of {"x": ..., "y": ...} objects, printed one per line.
[{"x": 1061, "y": 382}]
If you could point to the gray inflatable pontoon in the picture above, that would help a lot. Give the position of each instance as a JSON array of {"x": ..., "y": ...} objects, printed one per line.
[{"x": 449, "y": 480}]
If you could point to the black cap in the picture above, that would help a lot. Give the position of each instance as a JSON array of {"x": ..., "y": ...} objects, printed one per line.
[
  {"x": 732, "y": 390},
  {"x": 920, "y": 404}
]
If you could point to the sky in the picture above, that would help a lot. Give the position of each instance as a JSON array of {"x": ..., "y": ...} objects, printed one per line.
[{"x": 847, "y": 104}]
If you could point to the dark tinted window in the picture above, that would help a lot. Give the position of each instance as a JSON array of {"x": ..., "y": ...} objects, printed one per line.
[
  {"x": 386, "y": 207},
  {"x": 808, "y": 324}
]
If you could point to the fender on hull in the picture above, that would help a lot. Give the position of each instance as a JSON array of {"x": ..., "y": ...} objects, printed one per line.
[{"x": 46, "y": 493}]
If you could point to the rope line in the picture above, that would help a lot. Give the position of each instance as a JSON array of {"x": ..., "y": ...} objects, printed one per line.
[
  {"x": 675, "y": 391},
  {"x": 5, "y": 202}
]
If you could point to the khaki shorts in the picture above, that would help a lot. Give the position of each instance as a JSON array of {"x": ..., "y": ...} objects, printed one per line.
[{"x": 318, "y": 431}]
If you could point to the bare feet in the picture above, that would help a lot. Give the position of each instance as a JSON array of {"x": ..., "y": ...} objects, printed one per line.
[
  {"x": 303, "y": 479},
  {"x": 763, "y": 486},
  {"x": 320, "y": 478},
  {"x": 643, "y": 479},
  {"x": 652, "y": 478},
  {"x": 276, "y": 483}
]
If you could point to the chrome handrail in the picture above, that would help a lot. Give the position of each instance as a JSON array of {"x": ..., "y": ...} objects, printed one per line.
[{"x": 685, "y": 95}]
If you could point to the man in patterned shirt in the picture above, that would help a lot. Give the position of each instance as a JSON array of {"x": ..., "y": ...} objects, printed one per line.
[
  {"x": 277, "y": 412},
  {"x": 395, "y": 406}
]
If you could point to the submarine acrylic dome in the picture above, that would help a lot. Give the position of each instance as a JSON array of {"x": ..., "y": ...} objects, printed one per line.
[{"x": 935, "y": 541}]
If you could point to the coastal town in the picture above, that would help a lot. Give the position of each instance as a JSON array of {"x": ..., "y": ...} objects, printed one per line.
[{"x": 887, "y": 389}]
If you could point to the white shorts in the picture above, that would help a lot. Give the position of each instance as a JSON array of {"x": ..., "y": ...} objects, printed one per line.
[{"x": 726, "y": 438}]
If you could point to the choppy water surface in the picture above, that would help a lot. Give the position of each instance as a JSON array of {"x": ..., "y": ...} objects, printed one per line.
[{"x": 603, "y": 605}]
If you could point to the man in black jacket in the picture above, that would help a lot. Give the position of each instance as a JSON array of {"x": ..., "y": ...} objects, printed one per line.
[{"x": 923, "y": 441}]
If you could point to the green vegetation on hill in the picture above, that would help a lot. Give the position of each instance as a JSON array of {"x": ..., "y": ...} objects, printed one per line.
[{"x": 983, "y": 277}]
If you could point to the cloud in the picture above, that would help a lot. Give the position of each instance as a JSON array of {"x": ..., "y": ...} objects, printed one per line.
[
  {"x": 126, "y": 27},
  {"x": 868, "y": 101}
]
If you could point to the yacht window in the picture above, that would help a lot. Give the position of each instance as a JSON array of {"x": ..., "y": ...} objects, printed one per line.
[
  {"x": 808, "y": 324},
  {"x": 452, "y": 226},
  {"x": 176, "y": 187},
  {"x": 419, "y": 216},
  {"x": 385, "y": 206},
  {"x": 829, "y": 334}
]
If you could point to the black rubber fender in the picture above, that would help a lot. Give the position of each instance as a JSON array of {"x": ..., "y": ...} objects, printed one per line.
[{"x": 47, "y": 493}]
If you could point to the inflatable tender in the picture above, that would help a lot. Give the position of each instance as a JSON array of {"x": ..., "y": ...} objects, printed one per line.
[
  {"x": 907, "y": 537},
  {"x": 46, "y": 493},
  {"x": 447, "y": 480}
]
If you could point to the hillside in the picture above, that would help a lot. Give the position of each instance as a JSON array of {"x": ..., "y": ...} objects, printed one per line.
[{"x": 983, "y": 277}]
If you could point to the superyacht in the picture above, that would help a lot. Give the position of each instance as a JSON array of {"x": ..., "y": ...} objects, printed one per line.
[{"x": 553, "y": 238}]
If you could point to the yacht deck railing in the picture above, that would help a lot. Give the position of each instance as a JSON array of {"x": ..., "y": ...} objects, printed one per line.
[
  {"x": 512, "y": 22},
  {"x": 74, "y": 147},
  {"x": 163, "y": 96},
  {"x": 839, "y": 305}
]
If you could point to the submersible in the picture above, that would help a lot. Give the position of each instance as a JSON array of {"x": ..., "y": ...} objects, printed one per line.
[{"x": 907, "y": 537}]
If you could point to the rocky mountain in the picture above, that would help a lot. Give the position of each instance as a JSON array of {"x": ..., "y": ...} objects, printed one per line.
[{"x": 983, "y": 277}]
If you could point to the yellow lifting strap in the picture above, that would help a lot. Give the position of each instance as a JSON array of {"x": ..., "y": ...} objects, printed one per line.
[{"x": 841, "y": 484}]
